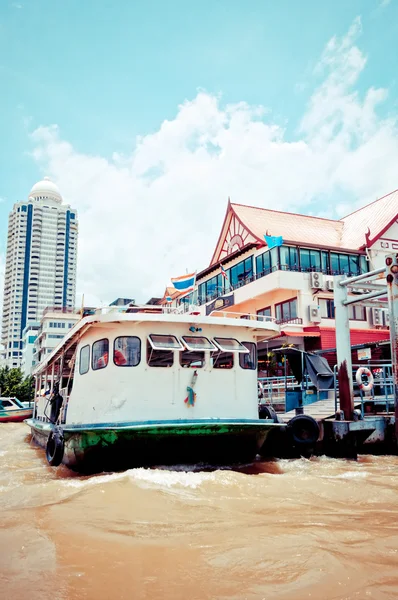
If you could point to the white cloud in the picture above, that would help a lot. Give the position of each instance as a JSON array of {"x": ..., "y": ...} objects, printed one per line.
[{"x": 151, "y": 215}]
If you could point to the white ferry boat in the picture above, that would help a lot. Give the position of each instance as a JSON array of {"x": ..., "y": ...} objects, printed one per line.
[{"x": 146, "y": 386}]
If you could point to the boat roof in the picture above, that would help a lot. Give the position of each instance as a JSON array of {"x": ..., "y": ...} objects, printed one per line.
[{"x": 159, "y": 314}]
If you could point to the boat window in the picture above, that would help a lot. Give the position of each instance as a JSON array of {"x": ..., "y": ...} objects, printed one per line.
[
  {"x": 164, "y": 342},
  {"x": 196, "y": 360},
  {"x": 196, "y": 342},
  {"x": 249, "y": 360},
  {"x": 84, "y": 362},
  {"x": 127, "y": 351},
  {"x": 100, "y": 357},
  {"x": 230, "y": 345},
  {"x": 222, "y": 360},
  {"x": 5, "y": 403},
  {"x": 159, "y": 358}
]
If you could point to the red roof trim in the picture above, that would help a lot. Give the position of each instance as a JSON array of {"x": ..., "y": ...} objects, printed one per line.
[
  {"x": 309, "y": 334},
  {"x": 246, "y": 227},
  {"x": 233, "y": 214},
  {"x": 227, "y": 213},
  {"x": 380, "y": 234}
]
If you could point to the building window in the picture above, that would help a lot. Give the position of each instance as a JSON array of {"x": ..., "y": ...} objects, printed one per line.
[
  {"x": 249, "y": 361},
  {"x": 265, "y": 312},
  {"x": 214, "y": 287},
  {"x": 264, "y": 263},
  {"x": 240, "y": 273},
  {"x": 286, "y": 311},
  {"x": 100, "y": 356},
  {"x": 310, "y": 260},
  {"x": 346, "y": 264},
  {"x": 289, "y": 258},
  {"x": 356, "y": 313},
  {"x": 327, "y": 308},
  {"x": 127, "y": 351}
]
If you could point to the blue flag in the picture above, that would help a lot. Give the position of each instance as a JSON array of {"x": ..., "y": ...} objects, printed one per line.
[{"x": 273, "y": 241}]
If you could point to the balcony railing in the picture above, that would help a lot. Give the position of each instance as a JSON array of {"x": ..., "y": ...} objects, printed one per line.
[
  {"x": 245, "y": 280},
  {"x": 290, "y": 321}
]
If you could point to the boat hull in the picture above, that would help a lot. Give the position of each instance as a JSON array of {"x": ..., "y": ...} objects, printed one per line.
[
  {"x": 15, "y": 416},
  {"x": 105, "y": 447}
]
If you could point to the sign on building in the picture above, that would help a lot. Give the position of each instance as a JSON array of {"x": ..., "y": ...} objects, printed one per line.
[{"x": 364, "y": 353}]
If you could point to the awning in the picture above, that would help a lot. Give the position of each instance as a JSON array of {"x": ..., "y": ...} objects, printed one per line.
[{"x": 301, "y": 334}]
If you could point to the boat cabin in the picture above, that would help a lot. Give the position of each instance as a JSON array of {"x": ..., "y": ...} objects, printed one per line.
[
  {"x": 12, "y": 403},
  {"x": 147, "y": 365}
]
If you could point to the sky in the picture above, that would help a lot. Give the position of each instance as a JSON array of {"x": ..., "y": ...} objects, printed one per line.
[{"x": 150, "y": 115}]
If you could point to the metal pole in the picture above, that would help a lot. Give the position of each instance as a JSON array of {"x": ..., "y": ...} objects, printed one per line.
[
  {"x": 392, "y": 286},
  {"x": 343, "y": 343},
  {"x": 362, "y": 277},
  {"x": 362, "y": 297}
]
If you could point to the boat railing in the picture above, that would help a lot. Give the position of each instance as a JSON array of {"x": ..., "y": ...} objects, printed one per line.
[
  {"x": 238, "y": 315},
  {"x": 183, "y": 309}
]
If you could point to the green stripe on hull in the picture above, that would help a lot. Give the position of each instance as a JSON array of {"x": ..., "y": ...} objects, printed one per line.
[{"x": 114, "y": 447}]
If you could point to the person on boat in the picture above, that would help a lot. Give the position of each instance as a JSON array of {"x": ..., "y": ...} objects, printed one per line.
[
  {"x": 102, "y": 360},
  {"x": 56, "y": 403},
  {"x": 119, "y": 357}
]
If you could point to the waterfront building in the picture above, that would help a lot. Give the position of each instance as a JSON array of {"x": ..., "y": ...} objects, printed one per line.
[
  {"x": 29, "y": 336},
  {"x": 292, "y": 282},
  {"x": 40, "y": 268},
  {"x": 122, "y": 302},
  {"x": 54, "y": 325}
]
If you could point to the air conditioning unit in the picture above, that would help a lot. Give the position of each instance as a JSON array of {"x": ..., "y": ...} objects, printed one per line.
[
  {"x": 377, "y": 317},
  {"x": 330, "y": 285},
  {"x": 314, "y": 313},
  {"x": 316, "y": 281}
]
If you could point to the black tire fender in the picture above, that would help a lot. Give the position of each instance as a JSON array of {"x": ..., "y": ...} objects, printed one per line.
[
  {"x": 266, "y": 411},
  {"x": 304, "y": 430},
  {"x": 55, "y": 448}
]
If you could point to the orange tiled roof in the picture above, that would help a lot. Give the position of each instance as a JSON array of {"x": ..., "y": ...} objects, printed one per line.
[
  {"x": 376, "y": 216},
  {"x": 172, "y": 292},
  {"x": 292, "y": 227},
  {"x": 348, "y": 233}
]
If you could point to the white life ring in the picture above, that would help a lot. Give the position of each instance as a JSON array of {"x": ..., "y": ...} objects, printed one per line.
[{"x": 358, "y": 376}]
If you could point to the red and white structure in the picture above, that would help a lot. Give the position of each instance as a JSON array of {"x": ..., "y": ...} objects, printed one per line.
[{"x": 293, "y": 283}]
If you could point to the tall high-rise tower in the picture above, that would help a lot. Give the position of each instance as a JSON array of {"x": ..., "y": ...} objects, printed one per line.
[{"x": 40, "y": 264}]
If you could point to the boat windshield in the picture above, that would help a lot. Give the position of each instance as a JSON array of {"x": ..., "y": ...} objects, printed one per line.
[
  {"x": 196, "y": 342},
  {"x": 164, "y": 342},
  {"x": 230, "y": 345},
  {"x": 10, "y": 402}
]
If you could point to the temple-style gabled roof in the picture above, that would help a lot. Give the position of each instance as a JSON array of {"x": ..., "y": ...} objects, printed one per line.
[
  {"x": 366, "y": 225},
  {"x": 244, "y": 225}
]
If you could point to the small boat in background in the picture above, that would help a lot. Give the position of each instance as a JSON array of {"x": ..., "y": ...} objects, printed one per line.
[{"x": 14, "y": 411}]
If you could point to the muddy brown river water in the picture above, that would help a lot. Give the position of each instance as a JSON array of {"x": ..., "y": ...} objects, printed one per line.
[{"x": 321, "y": 529}]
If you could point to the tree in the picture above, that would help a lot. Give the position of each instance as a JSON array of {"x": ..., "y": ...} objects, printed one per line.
[{"x": 13, "y": 384}]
